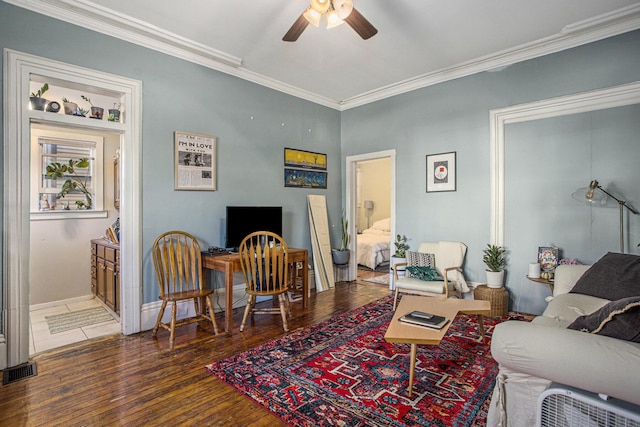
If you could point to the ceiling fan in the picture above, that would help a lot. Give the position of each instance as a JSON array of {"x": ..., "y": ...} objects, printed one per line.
[{"x": 337, "y": 12}]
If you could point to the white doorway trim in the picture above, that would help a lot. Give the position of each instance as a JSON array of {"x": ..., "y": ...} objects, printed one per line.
[
  {"x": 351, "y": 197},
  {"x": 17, "y": 70},
  {"x": 599, "y": 99}
]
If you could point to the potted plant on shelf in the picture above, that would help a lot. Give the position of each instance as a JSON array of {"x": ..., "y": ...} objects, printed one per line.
[
  {"x": 96, "y": 112},
  {"x": 495, "y": 260},
  {"x": 74, "y": 182},
  {"x": 37, "y": 101},
  {"x": 114, "y": 113},
  {"x": 341, "y": 256},
  {"x": 70, "y": 107}
]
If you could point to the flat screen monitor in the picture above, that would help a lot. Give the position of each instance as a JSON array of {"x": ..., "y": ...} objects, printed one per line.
[{"x": 244, "y": 220}]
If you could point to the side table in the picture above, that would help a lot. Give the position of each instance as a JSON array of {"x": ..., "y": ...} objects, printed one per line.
[{"x": 497, "y": 297}]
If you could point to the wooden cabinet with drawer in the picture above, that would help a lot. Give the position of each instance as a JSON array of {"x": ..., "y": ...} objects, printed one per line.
[{"x": 105, "y": 272}]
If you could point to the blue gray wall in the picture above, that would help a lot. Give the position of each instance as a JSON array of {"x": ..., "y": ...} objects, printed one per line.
[
  {"x": 545, "y": 160},
  {"x": 452, "y": 116},
  {"x": 253, "y": 125}
]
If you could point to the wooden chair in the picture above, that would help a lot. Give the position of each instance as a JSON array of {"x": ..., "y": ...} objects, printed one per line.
[
  {"x": 448, "y": 257},
  {"x": 178, "y": 264},
  {"x": 263, "y": 257}
]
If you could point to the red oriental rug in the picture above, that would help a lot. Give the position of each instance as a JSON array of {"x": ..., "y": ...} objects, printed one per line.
[{"x": 343, "y": 373}]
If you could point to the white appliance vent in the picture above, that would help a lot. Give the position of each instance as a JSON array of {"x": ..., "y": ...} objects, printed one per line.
[{"x": 564, "y": 406}]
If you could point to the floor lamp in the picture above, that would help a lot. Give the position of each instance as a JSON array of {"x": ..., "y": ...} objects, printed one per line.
[{"x": 591, "y": 196}]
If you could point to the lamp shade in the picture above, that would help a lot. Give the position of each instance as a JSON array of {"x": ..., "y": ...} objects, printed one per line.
[
  {"x": 590, "y": 194},
  {"x": 333, "y": 20},
  {"x": 368, "y": 204},
  {"x": 343, "y": 8},
  {"x": 312, "y": 16},
  {"x": 320, "y": 6}
]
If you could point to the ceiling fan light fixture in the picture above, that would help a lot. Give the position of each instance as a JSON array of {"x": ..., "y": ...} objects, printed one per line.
[
  {"x": 343, "y": 8},
  {"x": 312, "y": 16},
  {"x": 320, "y": 6},
  {"x": 333, "y": 20}
]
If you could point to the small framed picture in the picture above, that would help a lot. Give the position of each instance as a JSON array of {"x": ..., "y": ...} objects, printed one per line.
[
  {"x": 441, "y": 172},
  {"x": 548, "y": 258}
]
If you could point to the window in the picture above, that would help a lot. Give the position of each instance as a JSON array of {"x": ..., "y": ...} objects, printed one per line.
[{"x": 75, "y": 189}]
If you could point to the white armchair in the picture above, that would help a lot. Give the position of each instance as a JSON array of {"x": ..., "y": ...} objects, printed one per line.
[{"x": 448, "y": 257}]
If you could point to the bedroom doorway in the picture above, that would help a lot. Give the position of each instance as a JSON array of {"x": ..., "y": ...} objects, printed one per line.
[{"x": 370, "y": 202}]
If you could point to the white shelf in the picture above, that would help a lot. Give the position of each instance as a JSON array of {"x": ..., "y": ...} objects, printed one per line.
[{"x": 44, "y": 117}]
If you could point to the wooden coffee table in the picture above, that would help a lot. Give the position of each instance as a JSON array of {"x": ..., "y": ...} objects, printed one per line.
[{"x": 400, "y": 332}]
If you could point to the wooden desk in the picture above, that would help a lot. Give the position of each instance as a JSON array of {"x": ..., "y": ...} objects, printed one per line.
[
  {"x": 229, "y": 264},
  {"x": 412, "y": 334}
]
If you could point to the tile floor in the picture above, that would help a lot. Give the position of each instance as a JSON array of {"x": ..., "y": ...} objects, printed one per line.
[{"x": 41, "y": 339}]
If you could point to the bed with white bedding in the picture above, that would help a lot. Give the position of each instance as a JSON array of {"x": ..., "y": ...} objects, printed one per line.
[{"x": 374, "y": 245}]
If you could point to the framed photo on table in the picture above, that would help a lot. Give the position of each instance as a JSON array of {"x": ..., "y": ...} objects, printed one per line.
[
  {"x": 441, "y": 172},
  {"x": 195, "y": 161}
]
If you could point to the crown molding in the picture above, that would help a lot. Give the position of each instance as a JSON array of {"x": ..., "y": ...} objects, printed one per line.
[
  {"x": 95, "y": 17},
  {"x": 574, "y": 35}
]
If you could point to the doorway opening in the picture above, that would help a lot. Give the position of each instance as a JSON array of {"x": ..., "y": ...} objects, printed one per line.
[
  {"x": 19, "y": 70},
  {"x": 371, "y": 206},
  {"x": 66, "y": 305}
]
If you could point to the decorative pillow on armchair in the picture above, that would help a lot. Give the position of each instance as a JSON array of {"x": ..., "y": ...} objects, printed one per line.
[
  {"x": 612, "y": 277},
  {"x": 419, "y": 259},
  {"x": 618, "y": 319},
  {"x": 424, "y": 273}
]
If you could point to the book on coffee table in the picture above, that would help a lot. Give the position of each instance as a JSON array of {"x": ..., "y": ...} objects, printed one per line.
[{"x": 424, "y": 319}]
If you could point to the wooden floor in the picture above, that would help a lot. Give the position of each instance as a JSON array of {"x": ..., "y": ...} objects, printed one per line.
[{"x": 135, "y": 380}]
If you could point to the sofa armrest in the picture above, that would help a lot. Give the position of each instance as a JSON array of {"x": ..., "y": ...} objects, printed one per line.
[{"x": 590, "y": 362}]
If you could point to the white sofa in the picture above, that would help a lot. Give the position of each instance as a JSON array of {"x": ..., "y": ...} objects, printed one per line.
[{"x": 532, "y": 355}]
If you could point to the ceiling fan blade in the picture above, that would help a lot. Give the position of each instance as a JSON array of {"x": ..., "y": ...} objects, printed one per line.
[
  {"x": 360, "y": 24},
  {"x": 296, "y": 29}
]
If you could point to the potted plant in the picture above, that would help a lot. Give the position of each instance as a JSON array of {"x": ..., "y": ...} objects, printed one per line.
[
  {"x": 341, "y": 256},
  {"x": 74, "y": 182},
  {"x": 96, "y": 112},
  {"x": 401, "y": 246},
  {"x": 70, "y": 107},
  {"x": 495, "y": 260},
  {"x": 114, "y": 113},
  {"x": 399, "y": 257},
  {"x": 37, "y": 101}
]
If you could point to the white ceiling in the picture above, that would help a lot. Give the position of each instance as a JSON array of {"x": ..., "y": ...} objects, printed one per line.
[{"x": 419, "y": 42}]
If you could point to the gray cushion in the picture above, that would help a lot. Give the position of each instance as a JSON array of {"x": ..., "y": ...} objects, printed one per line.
[
  {"x": 618, "y": 319},
  {"x": 613, "y": 277}
]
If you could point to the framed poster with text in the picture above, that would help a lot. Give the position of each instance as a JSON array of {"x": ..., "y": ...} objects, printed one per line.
[{"x": 195, "y": 161}]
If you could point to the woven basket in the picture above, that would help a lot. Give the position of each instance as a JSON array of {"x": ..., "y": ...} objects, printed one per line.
[{"x": 497, "y": 297}]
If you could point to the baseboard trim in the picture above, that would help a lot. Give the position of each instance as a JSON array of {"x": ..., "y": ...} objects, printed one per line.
[{"x": 149, "y": 311}]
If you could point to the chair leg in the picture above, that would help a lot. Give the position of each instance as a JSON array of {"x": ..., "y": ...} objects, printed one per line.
[
  {"x": 212, "y": 315},
  {"x": 247, "y": 309},
  {"x": 288, "y": 301},
  {"x": 199, "y": 308},
  {"x": 160, "y": 314},
  {"x": 283, "y": 312},
  {"x": 174, "y": 312},
  {"x": 395, "y": 299}
]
